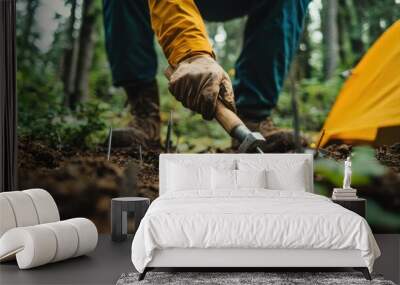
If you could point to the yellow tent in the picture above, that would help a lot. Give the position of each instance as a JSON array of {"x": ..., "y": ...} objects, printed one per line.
[{"x": 367, "y": 110}]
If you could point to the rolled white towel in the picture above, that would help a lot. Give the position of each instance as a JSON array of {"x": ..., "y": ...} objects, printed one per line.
[
  {"x": 33, "y": 246},
  {"x": 7, "y": 218},
  {"x": 37, "y": 245},
  {"x": 87, "y": 234},
  {"x": 67, "y": 240},
  {"x": 45, "y": 205},
  {"x": 23, "y": 208}
]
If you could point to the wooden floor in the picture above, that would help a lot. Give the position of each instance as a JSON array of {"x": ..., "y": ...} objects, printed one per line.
[{"x": 110, "y": 260}]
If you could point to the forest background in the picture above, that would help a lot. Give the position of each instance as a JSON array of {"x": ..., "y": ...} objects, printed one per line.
[
  {"x": 67, "y": 104},
  {"x": 65, "y": 91}
]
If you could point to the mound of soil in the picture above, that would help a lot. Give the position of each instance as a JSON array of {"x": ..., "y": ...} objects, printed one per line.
[
  {"x": 389, "y": 156},
  {"x": 83, "y": 182},
  {"x": 386, "y": 155}
]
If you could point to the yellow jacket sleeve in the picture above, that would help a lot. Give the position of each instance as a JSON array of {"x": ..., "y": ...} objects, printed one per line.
[{"x": 179, "y": 28}]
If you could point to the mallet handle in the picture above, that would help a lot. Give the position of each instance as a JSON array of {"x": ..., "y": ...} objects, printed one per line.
[
  {"x": 235, "y": 127},
  {"x": 226, "y": 118}
]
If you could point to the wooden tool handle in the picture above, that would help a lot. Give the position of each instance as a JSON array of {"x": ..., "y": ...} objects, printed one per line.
[{"x": 227, "y": 119}]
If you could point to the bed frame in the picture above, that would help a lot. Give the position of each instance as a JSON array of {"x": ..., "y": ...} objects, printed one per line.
[
  {"x": 247, "y": 258},
  {"x": 243, "y": 259}
]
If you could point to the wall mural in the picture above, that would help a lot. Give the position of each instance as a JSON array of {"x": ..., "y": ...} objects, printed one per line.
[{"x": 86, "y": 136}]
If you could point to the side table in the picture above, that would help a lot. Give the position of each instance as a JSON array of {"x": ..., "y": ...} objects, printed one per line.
[
  {"x": 357, "y": 205},
  {"x": 120, "y": 207}
]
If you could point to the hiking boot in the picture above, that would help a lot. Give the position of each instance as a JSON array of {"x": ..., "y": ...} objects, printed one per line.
[
  {"x": 277, "y": 139},
  {"x": 143, "y": 100},
  {"x": 144, "y": 104}
]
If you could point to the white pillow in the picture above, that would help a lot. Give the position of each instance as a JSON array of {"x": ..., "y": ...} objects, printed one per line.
[
  {"x": 292, "y": 179},
  {"x": 223, "y": 179},
  {"x": 251, "y": 178},
  {"x": 206, "y": 161},
  {"x": 183, "y": 177},
  {"x": 288, "y": 174}
]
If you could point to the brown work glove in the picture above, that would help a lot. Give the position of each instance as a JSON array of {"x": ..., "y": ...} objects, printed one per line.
[{"x": 198, "y": 82}]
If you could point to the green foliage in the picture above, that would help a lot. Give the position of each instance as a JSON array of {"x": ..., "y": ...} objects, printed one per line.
[
  {"x": 85, "y": 127},
  {"x": 364, "y": 167},
  {"x": 378, "y": 216},
  {"x": 315, "y": 99}
]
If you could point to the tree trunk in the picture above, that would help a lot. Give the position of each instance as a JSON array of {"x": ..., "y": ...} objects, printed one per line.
[
  {"x": 90, "y": 14},
  {"x": 344, "y": 33},
  {"x": 357, "y": 45},
  {"x": 304, "y": 69},
  {"x": 31, "y": 7},
  {"x": 295, "y": 106},
  {"x": 330, "y": 37},
  {"x": 69, "y": 59}
]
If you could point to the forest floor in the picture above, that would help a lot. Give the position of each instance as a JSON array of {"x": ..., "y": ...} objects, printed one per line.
[{"x": 83, "y": 182}]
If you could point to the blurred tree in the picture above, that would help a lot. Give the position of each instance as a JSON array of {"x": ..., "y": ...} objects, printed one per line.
[
  {"x": 28, "y": 35},
  {"x": 378, "y": 16},
  {"x": 330, "y": 37},
  {"x": 91, "y": 11},
  {"x": 69, "y": 55},
  {"x": 354, "y": 28},
  {"x": 345, "y": 48},
  {"x": 351, "y": 45},
  {"x": 304, "y": 69},
  {"x": 227, "y": 39}
]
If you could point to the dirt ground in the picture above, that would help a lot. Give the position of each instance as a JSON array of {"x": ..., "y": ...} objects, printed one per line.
[
  {"x": 83, "y": 182},
  {"x": 387, "y": 155}
]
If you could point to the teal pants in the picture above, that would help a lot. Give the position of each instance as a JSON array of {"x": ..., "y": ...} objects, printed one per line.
[{"x": 271, "y": 38}]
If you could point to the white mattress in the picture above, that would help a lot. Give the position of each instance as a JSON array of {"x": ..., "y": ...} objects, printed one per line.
[{"x": 257, "y": 219}]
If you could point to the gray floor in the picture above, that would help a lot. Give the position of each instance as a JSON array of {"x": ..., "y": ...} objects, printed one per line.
[
  {"x": 389, "y": 262},
  {"x": 110, "y": 260},
  {"x": 103, "y": 266}
]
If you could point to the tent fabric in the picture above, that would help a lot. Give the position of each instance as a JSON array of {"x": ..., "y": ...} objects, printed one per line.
[{"x": 370, "y": 98}]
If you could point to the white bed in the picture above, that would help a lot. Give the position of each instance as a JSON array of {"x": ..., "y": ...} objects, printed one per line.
[{"x": 197, "y": 223}]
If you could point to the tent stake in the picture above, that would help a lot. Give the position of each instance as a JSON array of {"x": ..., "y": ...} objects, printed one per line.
[
  {"x": 140, "y": 154},
  {"x": 168, "y": 141},
  {"x": 319, "y": 143},
  {"x": 109, "y": 144}
]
